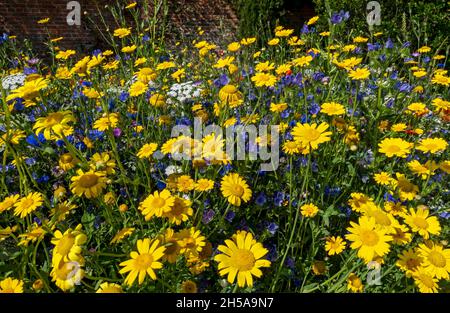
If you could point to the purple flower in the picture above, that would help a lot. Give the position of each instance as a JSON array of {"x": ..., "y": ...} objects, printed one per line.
[
  {"x": 230, "y": 216},
  {"x": 117, "y": 132},
  {"x": 208, "y": 216},
  {"x": 272, "y": 228},
  {"x": 389, "y": 44}
]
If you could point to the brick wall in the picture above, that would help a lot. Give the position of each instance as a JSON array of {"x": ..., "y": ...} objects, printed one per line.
[{"x": 19, "y": 17}]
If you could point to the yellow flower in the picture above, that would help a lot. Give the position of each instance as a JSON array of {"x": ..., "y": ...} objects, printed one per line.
[
  {"x": 421, "y": 223},
  {"x": 191, "y": 242},
  {"x": 332, "y": 108},
  {"x": 68, "y": 245},
  {"x": 233, "y": 47},
  {"x": 359, "y": 74},
  {"x": 409, "y": 262},
  {"x": 179, "y": 212},
  {"x": 436, "y": 260},
  {"x": 130, "y": 6},
  {"x": 44, "y": 21},
  {"x": 424, "y": 170},
  {"x": 230, "y": 96},
  {"x": 370, "y": 240},
  {"x": 224, "y": 62},
  {"x": 81, "y": 67},
  {"x": 405, "y": 188},
  {"x": 29, "y": 91},
  {"x": 235, "y": 189},
  {"x": 354, "y": 283},
  {"x": 28, "y": 204},
  {"x": 143, "y": 262},
  {"x": 312, "y": 20},
  {"x": 383, "y": 178},
  {"x": 310, "y": 136},
  {"x": 8, "y": 203},
  {"x": 334, "y": 245},
  {"x": 424, "y": 49},
  {"x": 395, "y": 147},
  {"x": 441, "y": 104},
  {"x": 138, "y": 88},
  {"x": 65, "y": 54},
  {"x": 188, "y": 286},
  {"x": 170, "y": 241},
  {"x": 185, "y": 183},
  {"x": 360, "y": 39},
  {"x": 109, "y": 287},
  {"x": 103, "y": 162},
  {"x": 54, "y": 125},
  {"x": 204, "y": 184},
  {"x": 264, "y": 79},
  {"x": 157, "y": 204},
  {"x": 90, "y": 184},
  {"x": 284, "y": 32},
  {"x": 425, "y": 281},
  {"x": 124, "y": 232},
  {"x": 67, "y": 274},
  {"x": 146, "y": 75},
  {"x": 147, "y": 150},
  {"x": 122, "y": 32},
  {"x": 278, "y": 107},
  {"x": 264, "y": 66},
  {"x": 273, "y": 42},
  {"x": 62, "y": 209},
  {"x": 165, "y": 65},
  {"x": 129, "y": 49},
  {"x": 241, "y": 256},
  {"x": 107, "y": 121},
  {"x": 11, "y": 285},
  {"x": 432, "y": 145},
  {"x": 309, "y": 210},
  {"x": 417, "y": 108},
  {"x": 302, "y": 61},
  {"x": 292, "y": 147},
  {"x": 248, "y": 41}
]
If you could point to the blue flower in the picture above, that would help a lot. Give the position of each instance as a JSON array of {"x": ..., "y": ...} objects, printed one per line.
[
  {"x": 208, "y": 216},
  {"x": 272, "y": 228},
  {"x": 230, "y": 216}
]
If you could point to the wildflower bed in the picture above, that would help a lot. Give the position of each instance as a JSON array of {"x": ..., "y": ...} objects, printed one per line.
[{"x": 94, "y": 196}]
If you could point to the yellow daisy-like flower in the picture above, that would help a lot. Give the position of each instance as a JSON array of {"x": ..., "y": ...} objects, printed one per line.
[
  {"x": 233, "y": 47},
  {"x": 291, "y": 147},
  {"x": 147, "y": 150},
  {"x": 242, "y": 257},
  {"x": 359, "y": 74},
  {"x": 360, "y": 202},
  {"x": 230, "y": 96},
  {"x": 44, "y": 20},
  {"x": 8, "y": 203},
  {"x": 11, "y": 285},
  {"x": 28, "y": 204},
  {"x": 109, "y": 288},
  {"x": 138, "y": 88},
  {"x": 312, "y": 20},
  {"x": 61, "y": 210},
  {"x": 67, "y": 274},
  {"x": 354, "y": 283},
  {"x": 302, "y": 61},
  {"x": 368, "y": 238},
  {"x": 311, "y": 135},
  {"x": 409, "y": 262},
  {"x": 157, "y": 204},
  {"x": 264, "y": 66},
  {"x": 332, "y": 108},
  {"x": 191, "y": 242},
  {"x": 309, "y": 210},
  {"x": 432, "y": 145},
  {"x": 401, "y": 235},
  {"x": 90, "y": 183},
  {"x": 335, "y": 245},
  {"x": 54, "y": 125},
  {"x": 264, "y": 80},
  {"x": 188, "y": 286},
  {"x": 170, "y": 241},
  {"x": 204, "y": 184},
  {"x": 165, "y": 65},
  {"x": 146, "y": 75},
  {"x": 65, "y": 54},
  {"x": 382, "y": 178},
  {"x": 68, "y": 245},
  {"x": 425, "y": 281},
  {"x": 129, "y": 49},
  {"x": 180, "y": 211},
  {"x": 124, "y": 232},
  {"x": 423, "y": 170},
  {"x": 106, "y": 122},
  {"x": 81, "y": 67},
  {"x": 436, "y": 260},
  {"x": 395, "y": 147},
  {"x": 406, "y": 189},
  {"x": 278, "y": 107},
  {"x": 67, "y": 162},
  {"x": 143, "y": 262},
  {"x": 103, "y": 163},
  {"x": 235, "y": 189},
  {"x": 122, "y": 32},
  {"x": 421, "y": 223},
  {"x": 185, "y": 183}
]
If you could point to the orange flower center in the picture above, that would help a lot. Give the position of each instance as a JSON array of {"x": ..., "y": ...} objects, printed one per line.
[
  {"x": 143, "y": 261},
  {"x": 420, "y": 222},
  {"x": 88, "y": 180},
  {"x": 369, "y": 237},
  {"x": 243, "y": 260},
  {"x": 437, "y": 259}
]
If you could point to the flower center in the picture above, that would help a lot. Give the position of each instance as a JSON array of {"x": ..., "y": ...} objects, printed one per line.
[
  {"x": 88, "y": 180},
  {"x": 238, "y": 190},
  {"x": 143, "y": 261},
  {"x": 27, "y": 203},
  {"x": 67, "y": 158},
  {"x": 230, "y": 89},
  {"x": 54, "y": 118},
  {"x": 412, "y": 263},
  {"x": 159, "y": 202},
  {"x": 427, "y": 280},
  {"x": 312, "y": 134},
  {"x": 369, "y": 237},
  {"x": 437, "y": 259},
  {"x": 243, "y": 260},
  {"x": 420, "y": 222}
]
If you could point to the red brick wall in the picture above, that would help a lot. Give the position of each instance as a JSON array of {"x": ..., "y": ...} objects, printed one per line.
[{"x": 19, "y": 17}]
